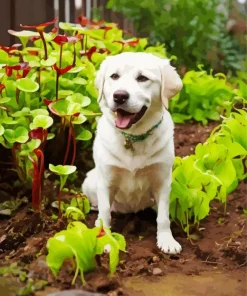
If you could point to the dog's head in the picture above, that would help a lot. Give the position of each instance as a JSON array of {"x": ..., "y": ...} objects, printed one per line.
[{"x": 130, "y": 84}]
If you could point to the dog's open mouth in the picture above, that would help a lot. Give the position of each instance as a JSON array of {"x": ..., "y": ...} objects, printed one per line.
[{"x": 125, "y": 119}]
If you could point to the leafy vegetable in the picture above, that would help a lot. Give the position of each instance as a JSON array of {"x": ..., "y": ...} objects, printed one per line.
[
  {"x": 83, "y": 244},
  {"x": 211, "y": 173}
]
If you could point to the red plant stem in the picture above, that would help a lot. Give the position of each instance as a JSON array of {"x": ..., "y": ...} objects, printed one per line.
[
  {"x": 41, "y": 174},
  {"x": 36, "y": 184},
  {"x": 21, "y": 58},
  {"x": 61, "y": 55},
  {"x": 74, "y": 145},
  {"x": 74, "y": 60},
  {"x": 17, "y": 95},
  {"x": 59, "y": 203},
  {"x": 41, "y": 33},
  {"x": 39, "y": 76},
  {"x": 57, "y": 80},
  {"x": 68, "y": 143}
]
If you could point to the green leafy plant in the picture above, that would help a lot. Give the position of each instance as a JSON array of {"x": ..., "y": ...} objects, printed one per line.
[
  {"x": 194, "y": 31},
  {"x": 82, "y": 244},
  {"x": 211, "y": 173},
  {"x": 63, "y": 171},
  {"x": 77, "y": 209},
  {"x": 205, "y": 97}
]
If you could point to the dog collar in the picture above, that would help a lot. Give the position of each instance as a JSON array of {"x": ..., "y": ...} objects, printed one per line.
[{"x": 131, "y": 139}]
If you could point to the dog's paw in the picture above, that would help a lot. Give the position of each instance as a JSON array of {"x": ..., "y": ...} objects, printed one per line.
[
  {"x": 106, "y": 222},
  {"x": 167, "y": 243}
]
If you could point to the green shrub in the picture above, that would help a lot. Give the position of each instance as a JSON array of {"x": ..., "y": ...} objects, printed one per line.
[
  {"x": 206, "y": 96},
  {"x": 193, "y": 31}
]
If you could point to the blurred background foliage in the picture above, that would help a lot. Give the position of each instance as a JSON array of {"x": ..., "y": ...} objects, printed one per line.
[{"x": 212, "y": 32}]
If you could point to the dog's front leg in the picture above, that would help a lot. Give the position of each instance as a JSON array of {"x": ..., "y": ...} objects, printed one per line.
[
  {"x": 165, "y": 240},
  {"x": 103, "y": 196}
]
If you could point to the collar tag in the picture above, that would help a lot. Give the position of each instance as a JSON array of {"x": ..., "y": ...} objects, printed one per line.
[
  {"x": 131, "y": 139},
  {"x": 128, "y": 144}
]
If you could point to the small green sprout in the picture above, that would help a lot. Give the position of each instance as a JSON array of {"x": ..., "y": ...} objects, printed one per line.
[{"x": 63, "y": 171}]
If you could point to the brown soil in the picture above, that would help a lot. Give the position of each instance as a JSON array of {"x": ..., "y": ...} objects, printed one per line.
[{"x": 214, "y": 260}]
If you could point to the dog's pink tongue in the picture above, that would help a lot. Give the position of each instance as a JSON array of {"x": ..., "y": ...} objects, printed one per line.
[{"x": 123, "y": 121}]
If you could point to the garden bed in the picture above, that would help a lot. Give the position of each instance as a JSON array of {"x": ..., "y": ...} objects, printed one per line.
[{"x": 214, "y": 256}]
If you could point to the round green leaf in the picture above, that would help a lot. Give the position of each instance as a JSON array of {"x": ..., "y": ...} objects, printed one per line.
[
  {"x": 62, "y": 169},
  {"x": 85, "y": 135},
  {"x": 49, "y": 62},
  {"x": 43, "y": 121},
  {"x": 20, "y": 135},
  {"x": 27, "y": 85},
  {"x": 24, "y": 112},
  {"x": 29, "y": 146},
  {"x": 80, "y": 80},
  {"x": 37, "y": 112},
  {"x": 64, "y": 108},
  {"x": 80, "y": 99},
  {"x": 64, "y": 93}
]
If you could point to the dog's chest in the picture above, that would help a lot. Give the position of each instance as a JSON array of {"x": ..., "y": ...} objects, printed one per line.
[{"x": 131, "y": 190}]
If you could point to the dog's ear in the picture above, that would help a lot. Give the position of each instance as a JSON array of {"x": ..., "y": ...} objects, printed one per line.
[
  {"x": 100, "y": 79},
  {"x": 171, "y": 83}
]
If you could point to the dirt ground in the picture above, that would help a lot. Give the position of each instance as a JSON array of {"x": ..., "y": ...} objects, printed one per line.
[{"x": 212, "y": 262}]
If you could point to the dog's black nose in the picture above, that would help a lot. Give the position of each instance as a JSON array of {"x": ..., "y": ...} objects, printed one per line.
[{"x": 120, "y": 96}]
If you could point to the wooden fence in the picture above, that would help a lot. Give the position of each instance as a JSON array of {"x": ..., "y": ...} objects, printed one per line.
[{"x": 31, "y": 12}]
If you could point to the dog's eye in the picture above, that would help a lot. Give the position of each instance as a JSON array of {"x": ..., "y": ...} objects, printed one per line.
[
  {"x": 142, "y": 78},
  {"x": 114, "y": 76}
]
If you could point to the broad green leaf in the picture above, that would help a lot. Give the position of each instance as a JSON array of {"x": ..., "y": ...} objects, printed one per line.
[
  {"x": 43, "y": 121},
  {"x": 62, "y": 169},
  {"x": 84, "y": 135},
  {"x": 49, "y": 62},
  {"x": 64, "y": 108},
  {"x": 24, "y": 112},
  {"x": 37, "y": 112},
  {"x": 19, "y": 135},
  {"x": 58, "y": 251},
  {"x": 64, "y": 93},
  {"x": 80, "y": 80},
  {"x": 27, "y": 85},
  {"x": 29, "y": 147}
]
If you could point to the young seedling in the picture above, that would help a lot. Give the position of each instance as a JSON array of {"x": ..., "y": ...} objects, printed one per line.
[{"x": 63, "y": 171}]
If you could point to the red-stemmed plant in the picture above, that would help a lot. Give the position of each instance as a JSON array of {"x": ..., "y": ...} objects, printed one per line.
[{"x": 40, "y": 28}]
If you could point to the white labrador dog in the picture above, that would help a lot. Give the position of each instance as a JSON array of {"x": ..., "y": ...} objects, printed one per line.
[{"x": 134, "y": 149}]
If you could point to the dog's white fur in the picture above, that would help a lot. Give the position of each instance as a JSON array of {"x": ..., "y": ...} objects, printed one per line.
[{"x": 129, "y": 181}]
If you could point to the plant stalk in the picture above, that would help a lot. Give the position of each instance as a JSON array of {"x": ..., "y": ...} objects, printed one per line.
[
  {"x": 68, "y": 143},
  {"x": 41, "y": 33}
]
